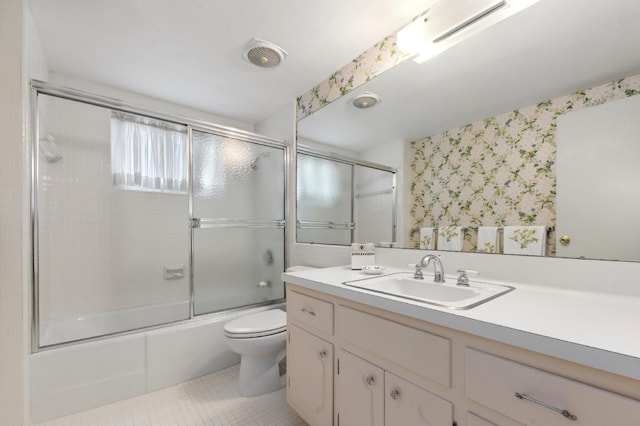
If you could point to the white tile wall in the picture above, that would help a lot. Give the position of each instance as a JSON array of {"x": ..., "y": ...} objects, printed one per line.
[{"x": 12, "y": 294}]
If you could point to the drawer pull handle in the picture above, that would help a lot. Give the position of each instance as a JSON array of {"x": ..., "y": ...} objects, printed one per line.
[
  {"x": 394, "y": 394},
  {"x": 309, "y": 311},
  {"x": 370, "y": 380},
  {"x": 565, "y": 413},
  {"x": 322, "y": 354}
]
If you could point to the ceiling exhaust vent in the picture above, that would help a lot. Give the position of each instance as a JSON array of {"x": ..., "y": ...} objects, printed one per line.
[{"x": 264, "y": 54}]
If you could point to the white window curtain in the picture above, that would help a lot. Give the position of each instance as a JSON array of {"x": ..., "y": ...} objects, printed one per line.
[{"x": 148, "y": 154}]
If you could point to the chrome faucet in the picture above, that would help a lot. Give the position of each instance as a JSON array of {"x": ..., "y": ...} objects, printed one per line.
[{"x": 438, "y": 274}]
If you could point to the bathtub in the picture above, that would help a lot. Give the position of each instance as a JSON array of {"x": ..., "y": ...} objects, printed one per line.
[
  {"x": 87, "y": 375},
  {"x": 70, "y": 329}
]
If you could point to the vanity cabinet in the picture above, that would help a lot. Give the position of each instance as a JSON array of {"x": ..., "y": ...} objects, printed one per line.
[
  {"x": 390, "y": 369},
  {"x": 310, "y": 358},
  {"x": 367, "y": 395}
]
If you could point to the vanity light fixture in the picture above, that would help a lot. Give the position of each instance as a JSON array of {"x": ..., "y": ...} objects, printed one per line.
[
  {"x": 264, "y": 54},
  {"x": 434, "y": 32},
  {"x": 366, "y": 100}
]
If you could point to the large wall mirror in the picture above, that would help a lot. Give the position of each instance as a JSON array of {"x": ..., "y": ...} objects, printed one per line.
[{"x": 529, "y": 123}]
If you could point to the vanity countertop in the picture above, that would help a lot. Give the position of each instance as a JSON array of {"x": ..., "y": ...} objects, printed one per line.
[{"x": 593, "y": 329}]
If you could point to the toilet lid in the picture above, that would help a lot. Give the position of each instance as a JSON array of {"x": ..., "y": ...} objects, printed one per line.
[{"x": 261, "y": 323}]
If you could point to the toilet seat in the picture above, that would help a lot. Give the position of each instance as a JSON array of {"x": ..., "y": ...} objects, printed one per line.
[{"x": 260, "y": 324}]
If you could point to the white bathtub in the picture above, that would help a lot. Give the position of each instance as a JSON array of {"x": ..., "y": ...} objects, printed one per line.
[
  {"x": 69, "y": 329},
  {"x": 86, "y": 375}
]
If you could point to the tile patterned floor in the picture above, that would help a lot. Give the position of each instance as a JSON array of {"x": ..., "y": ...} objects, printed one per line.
[{"x": 208, "y": 400}]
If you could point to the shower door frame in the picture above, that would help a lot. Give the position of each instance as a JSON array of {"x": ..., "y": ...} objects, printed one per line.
[
  {"x": 197, "y": 222},
  {"x": 38, "y": 87},
  {"x": 352, "y": 162}
]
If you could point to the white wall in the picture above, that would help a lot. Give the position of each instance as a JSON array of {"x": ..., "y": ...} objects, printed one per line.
[
  {"x": 13, "y": 340},
  {"x": 152, "y": 104},
  {"x": 328, "y": 149}
]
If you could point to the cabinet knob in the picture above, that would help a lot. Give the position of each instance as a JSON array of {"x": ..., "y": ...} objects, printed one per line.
[
  {"x": 565, "y": 240},
  {"x": 394, "y": 394},
  {"x": 370, "y": 380},
  {"x": 322, "y": 354}
]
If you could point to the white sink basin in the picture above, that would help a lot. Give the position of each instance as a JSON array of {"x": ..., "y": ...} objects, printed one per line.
[{"x": 448, "y": 295}]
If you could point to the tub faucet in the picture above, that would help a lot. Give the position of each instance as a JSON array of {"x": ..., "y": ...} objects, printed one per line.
[{"x": 438, "y": 274}]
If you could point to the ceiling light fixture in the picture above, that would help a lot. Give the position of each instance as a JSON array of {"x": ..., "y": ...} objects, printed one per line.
[
  {"x": 366, "y": 100},
  {"x": 264, "y": 54},
  {"x": 434, "y": 32}
]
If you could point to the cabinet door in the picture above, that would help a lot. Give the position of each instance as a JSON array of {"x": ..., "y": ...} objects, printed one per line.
[
  {"x": 310, "y": 376},
  {"x": 406, "y": 404},
  {"x": 359, "y": 391}
]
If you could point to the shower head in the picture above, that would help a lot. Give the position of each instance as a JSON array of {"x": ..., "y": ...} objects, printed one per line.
[
  {"x": 49, "y": 149},
  {"x": 254, "y": 163}
]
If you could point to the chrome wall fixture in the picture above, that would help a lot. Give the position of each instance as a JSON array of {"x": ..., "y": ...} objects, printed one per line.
[{"x": 57, "y": 91}]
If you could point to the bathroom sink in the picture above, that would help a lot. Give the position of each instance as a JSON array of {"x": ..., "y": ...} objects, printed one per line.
[{"x": 448, "y": 295}]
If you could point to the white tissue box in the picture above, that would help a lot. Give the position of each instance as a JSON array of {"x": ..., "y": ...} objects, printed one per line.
[{"x": 362, "y": 255}]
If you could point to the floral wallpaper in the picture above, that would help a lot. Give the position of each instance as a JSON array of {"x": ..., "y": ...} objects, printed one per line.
[
  {"x": 498, "y": 171},
  {"x": 372, "y": 62}
]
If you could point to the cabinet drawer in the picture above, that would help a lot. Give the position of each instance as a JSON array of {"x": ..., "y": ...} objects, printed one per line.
[
  {"x": 473, "y": 420},
  {"x": 494, "y": 381},
  {"x": 311, "y": 311},
  {"x": 423, "y": 353}
]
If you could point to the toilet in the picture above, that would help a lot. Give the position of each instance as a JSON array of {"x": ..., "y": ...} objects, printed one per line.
[{"x": 260, "y": 339}]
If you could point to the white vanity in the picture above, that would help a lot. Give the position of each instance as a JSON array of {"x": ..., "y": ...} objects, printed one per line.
[{"x": 533, "y": 356}]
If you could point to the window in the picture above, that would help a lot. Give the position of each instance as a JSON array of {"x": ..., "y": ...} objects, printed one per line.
[{"x": 148, "y": 154}]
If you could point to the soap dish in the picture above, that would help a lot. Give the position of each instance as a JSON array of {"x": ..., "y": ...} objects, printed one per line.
[{"x": 373, "y": 269}]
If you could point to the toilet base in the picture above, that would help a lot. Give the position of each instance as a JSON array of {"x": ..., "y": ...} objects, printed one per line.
[{"x": 258, "y": 375}]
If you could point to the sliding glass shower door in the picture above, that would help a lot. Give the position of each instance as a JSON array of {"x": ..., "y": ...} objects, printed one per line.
[
  {"x": 325, "y": 200},
  {"x": 140, "y": 221},
  {"x": 110, "y": 243},
  {"x": 237, "y": 221}
]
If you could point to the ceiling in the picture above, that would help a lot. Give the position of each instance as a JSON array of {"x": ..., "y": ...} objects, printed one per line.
[
  {"x": 189, "y": 52},
  {"x": 549, "y": 50}
]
